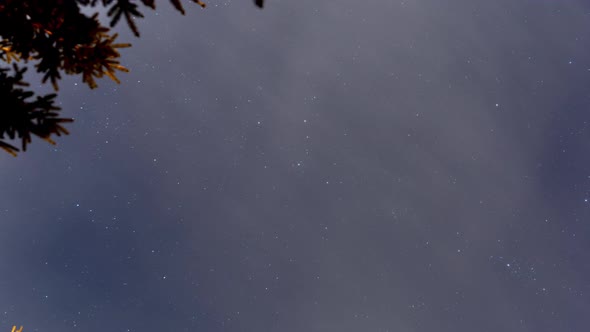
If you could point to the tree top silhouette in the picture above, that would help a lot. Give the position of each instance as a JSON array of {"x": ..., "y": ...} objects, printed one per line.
[{"x": 57, "y": 38}]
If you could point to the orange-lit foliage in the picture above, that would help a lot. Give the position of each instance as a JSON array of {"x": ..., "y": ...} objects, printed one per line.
[{"x": 57, "y": 39}]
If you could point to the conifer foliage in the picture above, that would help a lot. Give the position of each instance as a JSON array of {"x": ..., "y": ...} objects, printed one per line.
[{"x": 56, "y": 38}]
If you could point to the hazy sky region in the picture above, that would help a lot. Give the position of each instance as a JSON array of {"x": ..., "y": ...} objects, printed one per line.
[{"x": 346, "y": 166}]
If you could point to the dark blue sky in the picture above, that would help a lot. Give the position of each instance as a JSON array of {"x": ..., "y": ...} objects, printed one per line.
[{"x": 314, "y": 166}]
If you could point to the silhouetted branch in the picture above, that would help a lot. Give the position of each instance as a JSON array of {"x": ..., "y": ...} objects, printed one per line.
[
  {"x": 57, "y": 38},
  {"x": 20, "y": 117}
]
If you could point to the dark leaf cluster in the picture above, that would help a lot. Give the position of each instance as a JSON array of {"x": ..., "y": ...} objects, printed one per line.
[
  {"x": 22, "y": 117},
  {"x": 57, "y": 38},
  {"x": 129, "y": 9}
]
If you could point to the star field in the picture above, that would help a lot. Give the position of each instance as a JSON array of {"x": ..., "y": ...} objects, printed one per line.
[{"x": 365, "y": 166}]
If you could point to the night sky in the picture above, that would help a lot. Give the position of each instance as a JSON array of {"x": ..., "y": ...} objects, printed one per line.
[{"x": 417, "y": 165}]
